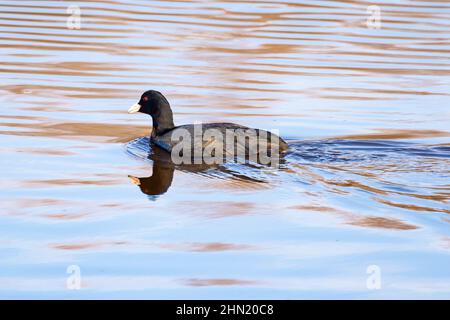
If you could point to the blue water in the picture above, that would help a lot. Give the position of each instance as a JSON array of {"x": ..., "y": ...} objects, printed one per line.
[{"x": 365, "y": 185}]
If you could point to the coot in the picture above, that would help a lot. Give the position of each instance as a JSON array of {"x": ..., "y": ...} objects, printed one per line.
[{"x": 166, "y": 135}]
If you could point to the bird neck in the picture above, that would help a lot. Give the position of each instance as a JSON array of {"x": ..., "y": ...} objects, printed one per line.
[{"x": 162, "y": 122}]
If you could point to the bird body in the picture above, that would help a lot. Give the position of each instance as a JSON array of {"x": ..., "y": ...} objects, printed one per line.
[{"x": 227, "y": 139}]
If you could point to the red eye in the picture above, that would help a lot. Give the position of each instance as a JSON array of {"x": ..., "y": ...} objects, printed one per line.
[{"x": 145, "y": 98}]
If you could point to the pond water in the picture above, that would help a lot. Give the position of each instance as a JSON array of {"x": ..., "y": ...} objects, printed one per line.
[{"x": 359, "y": 208}]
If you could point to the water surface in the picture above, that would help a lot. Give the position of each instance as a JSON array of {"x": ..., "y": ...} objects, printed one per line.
[{"x": 366, "y": 182}]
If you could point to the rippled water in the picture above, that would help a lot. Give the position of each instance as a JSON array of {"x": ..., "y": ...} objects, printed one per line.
[{"x": 366, "y": 182}]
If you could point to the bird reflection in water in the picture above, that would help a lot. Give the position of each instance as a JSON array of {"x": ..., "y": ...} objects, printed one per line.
[
  {"x": 158, "y": 183},
  {"x": 163, "y": 171},
  {"x": 162, "y": 174}
]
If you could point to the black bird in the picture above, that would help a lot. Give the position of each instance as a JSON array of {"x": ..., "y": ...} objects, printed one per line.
[{"x": 166, "y": 135}]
